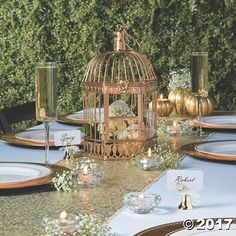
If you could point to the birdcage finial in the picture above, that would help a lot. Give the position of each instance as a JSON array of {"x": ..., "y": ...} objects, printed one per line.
[{"x": 119, "y": 42}]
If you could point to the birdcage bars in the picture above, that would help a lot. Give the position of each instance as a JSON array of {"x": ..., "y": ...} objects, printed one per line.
[{"x": 117, "y": 89}]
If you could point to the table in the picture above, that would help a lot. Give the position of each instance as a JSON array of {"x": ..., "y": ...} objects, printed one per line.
[{"x": 21, "y": 213}]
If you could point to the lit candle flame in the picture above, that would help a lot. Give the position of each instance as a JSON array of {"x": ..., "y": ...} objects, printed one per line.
[
  {"x": 63, "y": 215},
  {"x": 85, "y": 170},
  {"x": 141, "y": 196},
  {"x": 175, "y": 126},
  {"x": 149, "y": 153}
]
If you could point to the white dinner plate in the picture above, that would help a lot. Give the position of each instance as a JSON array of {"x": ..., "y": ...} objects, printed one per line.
[
  {"x": 223, "y": 122},
  {"x": 80, "y": 114},
  {"x": 18, "y": 172},
  {"x": 37, "y": 135},
  {"x": 223, "y": 148}
]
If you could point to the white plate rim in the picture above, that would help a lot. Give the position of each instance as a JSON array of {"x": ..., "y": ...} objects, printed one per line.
[
  {"x": 214, "y": 143},
  {"x": 206, "y": 120},
  {"x": 81, "y": 112},
  {"x": 17, "y": 135},
  {"x": 25, "y": 166}
]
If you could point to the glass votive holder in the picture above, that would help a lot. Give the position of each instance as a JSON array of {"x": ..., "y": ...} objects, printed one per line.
[
  {"x": 148, "y": 161},
  {"x": 175, "y": 129},
  {"x": 140, "y": 202},
  {"x": 88, "y": 177},
  {"x": 61, "y": 224}
]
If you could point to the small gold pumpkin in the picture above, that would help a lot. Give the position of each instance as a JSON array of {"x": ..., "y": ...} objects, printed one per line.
[
  {"x": 164, "y": 106},
  {"x": 207, "y": 105},
  {"x": 177, "y": 96}
]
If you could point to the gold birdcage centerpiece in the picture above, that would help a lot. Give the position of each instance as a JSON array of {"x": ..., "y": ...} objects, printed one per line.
[{"x": 117, "y": 89}]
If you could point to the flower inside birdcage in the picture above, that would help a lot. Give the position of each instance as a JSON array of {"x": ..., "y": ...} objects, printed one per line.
[
  {"x": 120, "y": 108},
  {"x": 120, "y": 129}
]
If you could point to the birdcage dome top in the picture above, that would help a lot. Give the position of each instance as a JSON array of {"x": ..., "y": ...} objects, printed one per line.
[
  {"x": 122, "y": 70},
  {"x": 122, "y": 65}
]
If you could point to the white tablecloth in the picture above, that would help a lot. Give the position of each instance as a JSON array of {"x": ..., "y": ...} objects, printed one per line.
[
  {"x": 218, "y": 199},
  {"x": 22, "y": 154}
]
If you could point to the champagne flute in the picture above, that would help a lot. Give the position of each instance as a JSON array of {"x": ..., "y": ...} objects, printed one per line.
[
  {"x": 199, "y": 71},
  {"x": 46, "y": 98}
]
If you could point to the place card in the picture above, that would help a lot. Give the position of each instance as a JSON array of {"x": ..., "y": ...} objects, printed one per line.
[
  {"x": 185, "y": 180},
  {"x": 67, "y": 137}
]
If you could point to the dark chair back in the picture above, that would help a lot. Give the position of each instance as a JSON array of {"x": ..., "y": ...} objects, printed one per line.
[{"x": 11, "y": 115}]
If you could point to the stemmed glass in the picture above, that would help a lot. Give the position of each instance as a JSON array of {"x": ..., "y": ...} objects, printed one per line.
[
  {"x": 46, "y": 98},
  {"x": 199, "y": 71}
]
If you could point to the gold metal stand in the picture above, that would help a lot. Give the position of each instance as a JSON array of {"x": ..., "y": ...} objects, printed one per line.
[{"x": 186, "y": 202}]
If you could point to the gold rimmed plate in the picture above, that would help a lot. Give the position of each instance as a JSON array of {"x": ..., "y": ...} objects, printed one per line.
[
  {"x": 11, "y": 139},
  {"x": 212, "y": 150},
  {"x": 65, "y": 119},
  {"x": 23, "y": 174},
  {"x": 29, "y": 138},
  {"x": 224, "y": 122},
  {"x": 36, "y": 136},
  {"x": 77, "y": 118},
  {"x": 177, "y": 229}
]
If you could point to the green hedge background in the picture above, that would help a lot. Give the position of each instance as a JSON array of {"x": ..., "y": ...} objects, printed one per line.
[{"x": 70, "y": 32}]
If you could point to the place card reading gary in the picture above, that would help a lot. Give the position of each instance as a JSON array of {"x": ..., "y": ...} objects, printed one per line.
[
  {"x": 186, "y": 180},
  {"x": 67, "y": 137}
]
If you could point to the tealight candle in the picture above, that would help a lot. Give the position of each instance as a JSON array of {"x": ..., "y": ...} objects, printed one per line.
[
  {"x": 88, "y": 176},
  {"x": 65, "y": 223},
  {"x": 174, "y": 129},
  {"x": 149, "y": 160},
  {"x": 141, "y": 203}
]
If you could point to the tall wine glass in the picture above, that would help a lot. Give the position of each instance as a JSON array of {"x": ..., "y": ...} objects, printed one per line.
[
  {"x": 46, "y": 98},
  {"x": 199, "y": 71}
]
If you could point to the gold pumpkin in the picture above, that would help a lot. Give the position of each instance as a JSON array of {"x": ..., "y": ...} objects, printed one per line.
[
  {"x": 177, "y": 96},
  {"x": 207, "y": 105},
  {"x": 164, "y": 107}
]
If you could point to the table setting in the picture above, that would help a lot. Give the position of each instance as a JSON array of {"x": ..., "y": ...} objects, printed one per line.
[
  {"x": 205, "y": 203},
  {"x": 126, "y": 163}
]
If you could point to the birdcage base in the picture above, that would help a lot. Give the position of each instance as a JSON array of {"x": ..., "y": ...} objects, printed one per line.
[{"x": 116, "y": 150}]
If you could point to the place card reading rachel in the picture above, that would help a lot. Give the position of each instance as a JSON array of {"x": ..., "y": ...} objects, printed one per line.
[
  {"x": 67, "y": 137},
  {"x": 190, "y": 180}
]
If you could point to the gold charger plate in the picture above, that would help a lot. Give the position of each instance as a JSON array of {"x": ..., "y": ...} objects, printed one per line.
[
  {"x": 219, "y": 122},
  {"x": 36, "y": 181},
  {"x": 176, "y": 227},
  {"x": 36, "y": 136},
  {"x": 190, "y": 150},
  {"x": 12, "y": 139},
  {"x": 77, "y": 118},
  {"x": 65, "y": 120}
]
